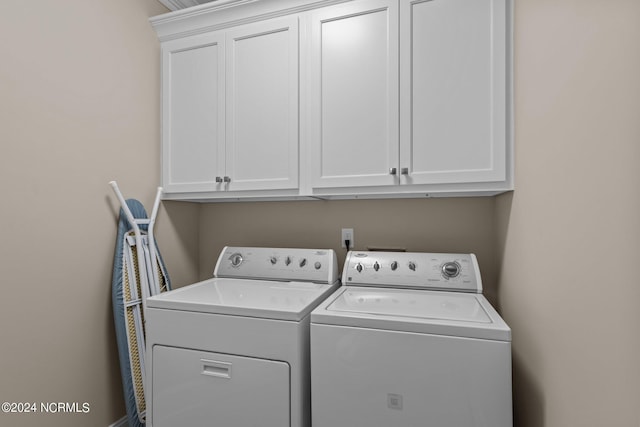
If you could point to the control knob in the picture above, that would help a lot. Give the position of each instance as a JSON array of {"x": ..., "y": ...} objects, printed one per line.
[
  {"x": 412, "y": 266},
  {"x": 303, "y": 262},
  {"x": 359, "y": 267},
  {"x": 273, "y": 260},
  {"x": 394, "y": 265},
  {"x": 376, "y": 266},
  {"x": 236, "y": 259},
  {"x": 450, "y": 269},
  {"x": 317, "y": 265}
]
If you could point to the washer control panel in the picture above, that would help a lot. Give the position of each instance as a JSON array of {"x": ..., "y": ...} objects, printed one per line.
[
  {"x": 286, "y": 264},
  {"x": 440, "y": 271}
]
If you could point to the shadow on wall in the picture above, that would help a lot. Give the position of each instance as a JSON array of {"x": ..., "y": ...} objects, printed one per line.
[
  {"x": 528, "y": 401},
  {"x": 528, "y": 404},
  {"x": 178, "y": 238},
  {"x": 116, "y": 396}
]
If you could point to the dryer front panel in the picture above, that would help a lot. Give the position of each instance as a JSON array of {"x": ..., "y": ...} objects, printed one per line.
[{"x": 194, "y": 388}]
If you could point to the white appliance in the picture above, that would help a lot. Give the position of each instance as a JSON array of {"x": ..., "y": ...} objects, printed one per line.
[
  {"x": 233, "y": 351},
  {"x": 410, "y": 341}
]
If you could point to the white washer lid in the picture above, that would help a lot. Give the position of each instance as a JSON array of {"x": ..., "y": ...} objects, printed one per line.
[
  {"x": 241, "y": 297},
  {"x": 410, "y": 310}
]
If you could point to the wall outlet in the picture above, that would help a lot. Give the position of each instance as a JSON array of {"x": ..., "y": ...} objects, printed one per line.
[{"x": 347, "y": 234}]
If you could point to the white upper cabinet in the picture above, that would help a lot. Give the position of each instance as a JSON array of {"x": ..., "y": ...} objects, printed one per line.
[
  {"x": 353, "y": 94},
  {"x": 230, "y": 109},
  {"x": 193, "y": 113},
  {"x": 336, "y": 99},
  {"x": 438, "y": 126},
  {"x": 453, "y": 91},
  {"x": 262, "y": 106}
]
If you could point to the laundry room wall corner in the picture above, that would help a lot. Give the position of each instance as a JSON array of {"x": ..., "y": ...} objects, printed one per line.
[
  {"x": 79, "y": 108},
  {"x": 569, "y": 235}
]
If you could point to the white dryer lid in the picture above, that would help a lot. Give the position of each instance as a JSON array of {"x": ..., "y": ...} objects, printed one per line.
[
  {"x": 410, "y": 310},
  {"x": 241, "y": 297}
]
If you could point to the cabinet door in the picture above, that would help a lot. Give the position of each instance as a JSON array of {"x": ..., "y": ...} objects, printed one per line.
[
  {"x": 453, "y": 93},
  {"x": 353, "y": 94},
  {"x": 193, "y": 113},
  {"x": 262, "y": 105},
  {"x": 194, "y": 388}
]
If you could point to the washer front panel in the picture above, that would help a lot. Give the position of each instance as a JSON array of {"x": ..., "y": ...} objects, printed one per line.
[{"x": 369, "y": 377}]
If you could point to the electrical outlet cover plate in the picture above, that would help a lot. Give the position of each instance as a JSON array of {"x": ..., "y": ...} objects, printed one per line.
[{"x": 347, "y": 234}]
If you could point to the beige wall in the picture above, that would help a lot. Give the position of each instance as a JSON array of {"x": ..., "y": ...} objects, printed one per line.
[
  {"x": 435, "y": 225},
  {"x": 79, "y": 106},
  {"x": 569, "y": 236}
]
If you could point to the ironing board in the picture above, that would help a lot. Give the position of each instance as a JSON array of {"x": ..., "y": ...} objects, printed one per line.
[{"x": 138, "y": 272}]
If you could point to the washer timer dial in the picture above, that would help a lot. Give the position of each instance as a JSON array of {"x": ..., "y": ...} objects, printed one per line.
[{"x": 450, "y": 269}]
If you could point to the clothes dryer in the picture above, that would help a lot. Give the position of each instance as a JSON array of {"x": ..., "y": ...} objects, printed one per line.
[
  {"x": 410, "y": 341},
  {"x": 233, "y": 350}
]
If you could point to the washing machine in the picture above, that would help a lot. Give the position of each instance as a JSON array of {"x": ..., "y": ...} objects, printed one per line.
[
  {"x": 410, "y": 341},
  {"x": 233, "y": 350}
]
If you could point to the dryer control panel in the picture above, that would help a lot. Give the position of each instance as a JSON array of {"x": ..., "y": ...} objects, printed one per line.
[
  {"x": 286, "y": 264},
  {"x": 438, "y": 271}
]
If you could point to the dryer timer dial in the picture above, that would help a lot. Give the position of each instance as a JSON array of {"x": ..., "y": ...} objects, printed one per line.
[{"x": 236, "y": 259}]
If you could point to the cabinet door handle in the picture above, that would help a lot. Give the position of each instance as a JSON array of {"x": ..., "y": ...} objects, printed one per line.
[
  {"x": 393, "y": 171},
  {"x": 218, "y": 179},
  {"x": 226, "y": 179},
  {"x": 404, "y": 171}
]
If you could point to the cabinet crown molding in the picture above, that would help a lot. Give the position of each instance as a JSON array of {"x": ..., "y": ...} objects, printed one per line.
[
  {"x": 222, "y": 14},
  {"x": 182, "y": 4}
]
